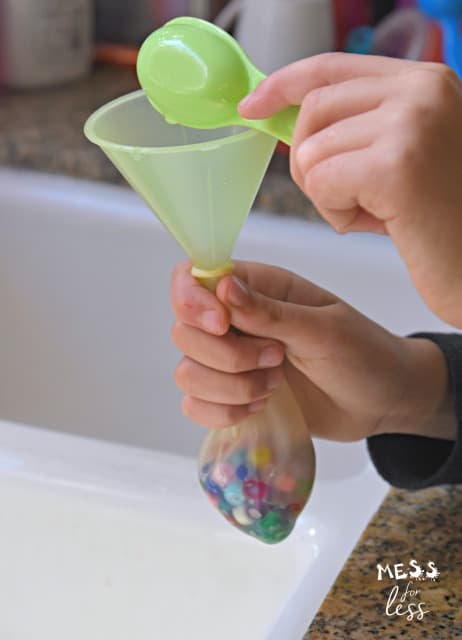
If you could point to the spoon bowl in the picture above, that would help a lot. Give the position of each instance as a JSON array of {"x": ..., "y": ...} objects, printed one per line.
[{"x": 195, "y": 74}]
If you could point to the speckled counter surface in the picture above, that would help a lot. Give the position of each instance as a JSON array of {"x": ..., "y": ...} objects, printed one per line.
[
  {"x": 425, "y": 526},
  {"x": 43, "y": 131}
]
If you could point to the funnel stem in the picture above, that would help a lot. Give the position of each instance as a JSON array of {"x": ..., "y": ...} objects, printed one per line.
[{"x": 209, "y": 278}]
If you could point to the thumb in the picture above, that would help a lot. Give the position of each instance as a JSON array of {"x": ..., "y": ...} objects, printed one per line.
[{"x": 256, "y": 314}]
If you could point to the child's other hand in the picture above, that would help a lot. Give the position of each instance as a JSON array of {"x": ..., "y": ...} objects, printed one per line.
[
  {"x": 351, "y": 377},
  {"x": 378, "y": 147}
]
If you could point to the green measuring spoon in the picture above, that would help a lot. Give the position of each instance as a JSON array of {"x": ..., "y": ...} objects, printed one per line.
[{"x": 195, "y": 74}]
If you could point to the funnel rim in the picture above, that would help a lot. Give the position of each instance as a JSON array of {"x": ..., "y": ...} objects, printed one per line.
[{"x": 116, "y": 146}]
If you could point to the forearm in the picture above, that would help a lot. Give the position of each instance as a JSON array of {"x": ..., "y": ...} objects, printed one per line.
[
  {"x": 427, "y": 407},
  {"x": 424, "y": 447}
]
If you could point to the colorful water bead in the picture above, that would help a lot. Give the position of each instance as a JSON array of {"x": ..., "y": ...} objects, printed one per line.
[
  {"x": 273, "y": 527},
  {"x": 212, "y": 487},
  {"x": 205, "y": 470},
  {"x": 256, "y": 512},
  {"x": 255, "y": 489},
  {"x": 285, "y": 482},
  {"x": 293, "y": 509},
  {"x": 242, "y": 472},
  {"x": 242, "y": 516},
  {"x": 222, "y": 473},
  {"x": 260, "y": 457},
  {"x": 233, "y": 494},
  {"x": 224, "y": 506}
]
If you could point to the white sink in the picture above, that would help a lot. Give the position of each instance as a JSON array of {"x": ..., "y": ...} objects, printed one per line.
[{"x": 104, "y": 531}]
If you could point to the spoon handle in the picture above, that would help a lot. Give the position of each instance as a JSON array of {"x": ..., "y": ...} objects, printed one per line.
[{"x": 282, "y": 124}]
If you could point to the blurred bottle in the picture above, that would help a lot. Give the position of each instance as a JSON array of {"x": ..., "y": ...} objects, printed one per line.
[
  {"x": 402, "y": 34},
  {"x": 45, "y": 42},
  {"x": 215, "y": 7},
  {"x": 127, "y": 23},
  {"x": 277, "y": 32},
  {"x": 381, "y": 8},
  {"x": 206, "y": 9},
  {"x": 165, "y": 10},
  {"x": 348, "y": 15}
]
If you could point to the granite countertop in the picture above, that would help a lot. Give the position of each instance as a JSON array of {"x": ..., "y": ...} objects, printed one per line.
[{"x": 43, "y": 131}]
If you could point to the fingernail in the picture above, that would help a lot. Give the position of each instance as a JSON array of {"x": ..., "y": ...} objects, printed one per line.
[
  {"x": 247, "y": 100},
  {"x": 256, "y": 406},
  {"x": 275, "y": 377},
  {"x": 210, "y": 321},
  {"x": 269, "y": 357},
  {"x": 238, "y": 294}
]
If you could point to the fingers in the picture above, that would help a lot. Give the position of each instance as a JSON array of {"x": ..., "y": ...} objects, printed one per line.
[
  {"x": 340, "y": 187},
  {"x": 295, "y": 325},
  {"x": 280, "y": 284},
  {"x": 229, "y": 353},
  {"x": 219, "y": 387},
  {"x": 332, "y": 105},
  {"x": 216, "y": 416},
  {"x": 355, "y": 220},
  {"x": 194, "y": 304},
  {"x": 326, "y": 105},
  {"x": 352, "y": 134},
  {"x": 289, "y": 85},
  {"x": 196, "y": 307}
]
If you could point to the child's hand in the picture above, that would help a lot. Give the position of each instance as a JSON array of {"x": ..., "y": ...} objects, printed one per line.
[
  {"x": 351, "y": 377},
  {"x": 378, "y": 147}
]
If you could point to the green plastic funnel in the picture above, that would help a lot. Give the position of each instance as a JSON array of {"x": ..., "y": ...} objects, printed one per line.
[
  {"x": 200, "y": 183},
  {"x": 195, "y": 73}
]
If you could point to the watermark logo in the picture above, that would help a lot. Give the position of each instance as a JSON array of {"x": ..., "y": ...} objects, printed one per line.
[{"x": 407, "y": 600}]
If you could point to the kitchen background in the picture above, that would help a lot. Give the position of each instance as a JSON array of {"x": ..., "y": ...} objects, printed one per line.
[{"x": 60, "y": 59}]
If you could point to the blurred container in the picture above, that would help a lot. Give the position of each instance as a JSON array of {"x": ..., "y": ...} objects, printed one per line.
[
  {"x": 128, "y": 23},
  {"x": 200, "y": 8},
  {"x": 360, "y": 40},
  {"x": 215, "y": 7},
  {"x": 402, "y": 34},
  {"x": 122, "y": 27},
  {"x": 206, "y": 9},
  {"x": 277, "y": 32},
  {"x": 45, "y": 42},
  {"x": 348, "y": 15},
  {"x": 381, "y": 8}
]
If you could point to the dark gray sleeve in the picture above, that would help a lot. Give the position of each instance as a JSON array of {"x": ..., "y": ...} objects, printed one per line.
[{"x": 416, "y": 462}]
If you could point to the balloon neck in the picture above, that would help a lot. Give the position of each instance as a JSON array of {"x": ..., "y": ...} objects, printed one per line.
[{"x": 209, "y": 278}]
